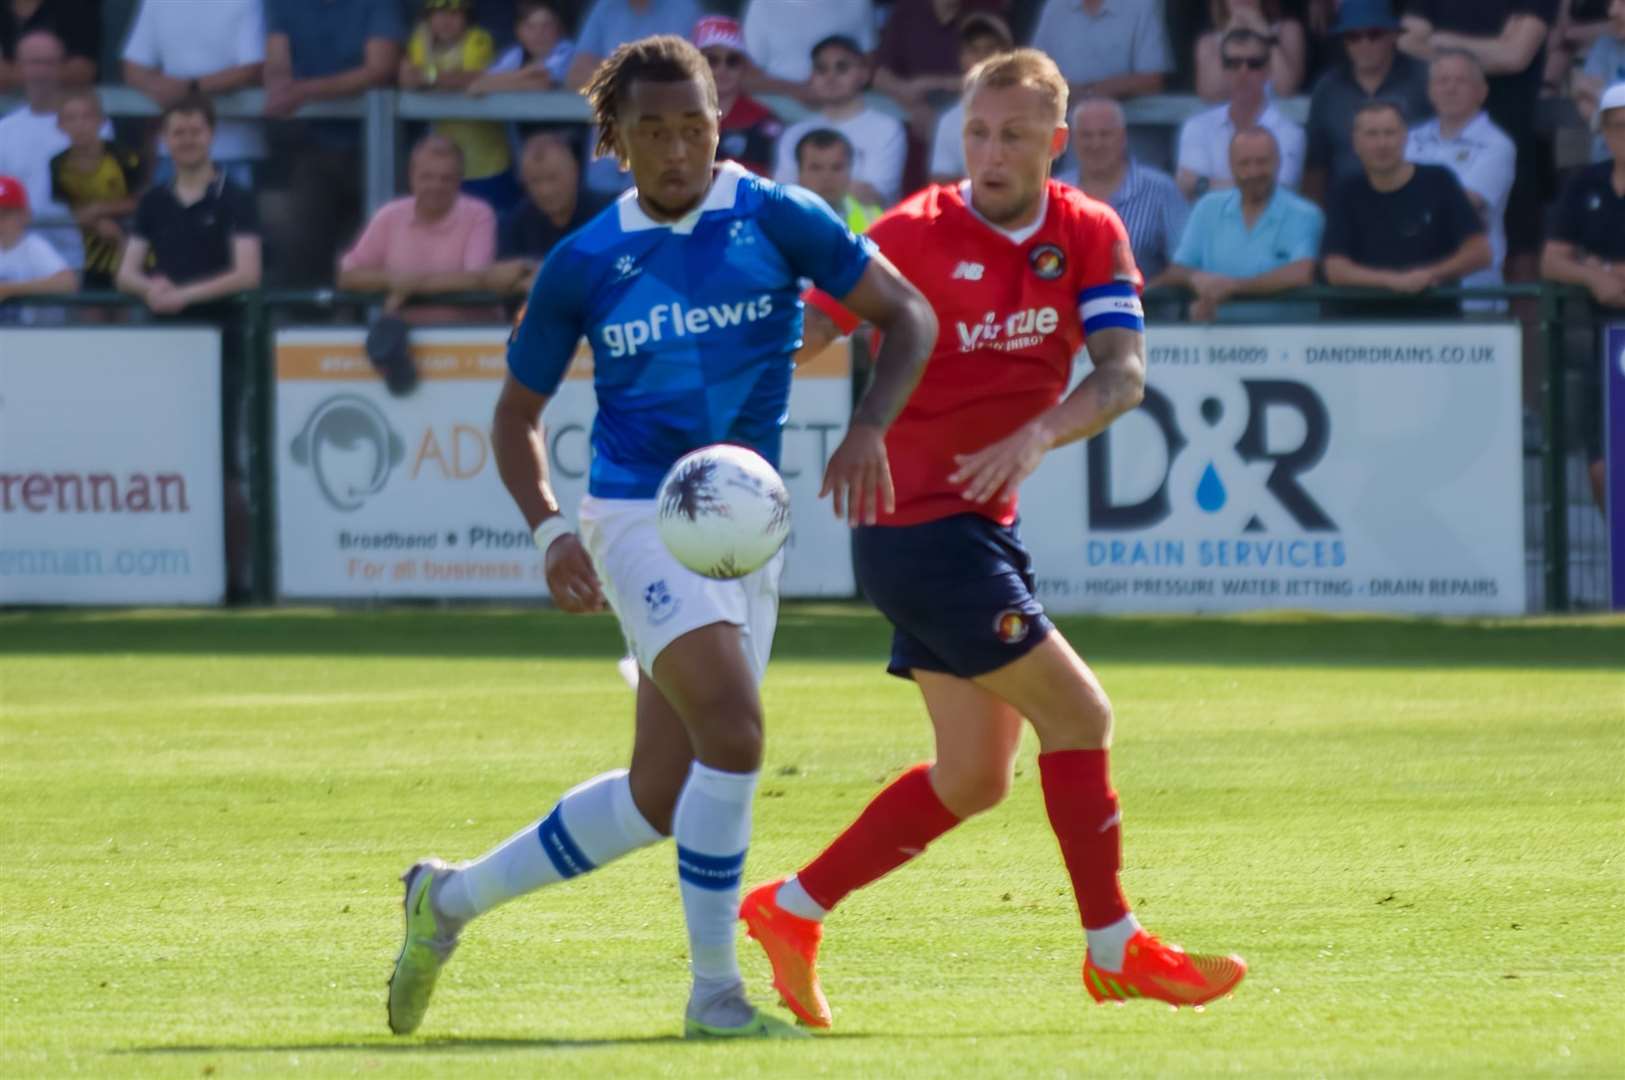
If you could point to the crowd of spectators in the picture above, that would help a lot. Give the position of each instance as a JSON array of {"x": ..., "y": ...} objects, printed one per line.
[{"x": 1423, "y": 160}]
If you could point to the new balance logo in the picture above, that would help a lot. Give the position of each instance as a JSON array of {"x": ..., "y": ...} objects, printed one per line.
[{"x": 968, "y": 271}]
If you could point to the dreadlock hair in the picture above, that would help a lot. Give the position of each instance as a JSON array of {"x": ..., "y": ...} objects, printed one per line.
[{"x": 662, "y": 58}]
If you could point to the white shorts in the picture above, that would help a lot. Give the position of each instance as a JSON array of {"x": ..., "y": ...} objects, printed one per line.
[{"x": 657, "y": 598}]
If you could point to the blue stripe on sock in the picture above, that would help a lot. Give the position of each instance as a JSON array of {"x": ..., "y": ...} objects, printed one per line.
[
  {"x": 561, "y": 847},
  {"x": 716, "y": 872}
]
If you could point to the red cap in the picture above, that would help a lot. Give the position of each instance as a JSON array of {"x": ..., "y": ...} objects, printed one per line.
[
  {"x": 718, "y": 30},
  {"x": 13, "y": 196}
]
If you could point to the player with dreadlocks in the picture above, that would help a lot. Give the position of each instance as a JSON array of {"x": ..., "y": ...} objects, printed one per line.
[{"x": 687, "y": 289}]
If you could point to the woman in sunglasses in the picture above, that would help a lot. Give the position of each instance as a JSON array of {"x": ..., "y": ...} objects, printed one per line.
[{"x": 1288, "y": 45}]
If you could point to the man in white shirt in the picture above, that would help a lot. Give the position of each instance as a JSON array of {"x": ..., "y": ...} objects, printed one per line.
[
  {"x": 780, "y": 35},
  {"x": 180, "y": 47},
  {"x": 28, "y": 265},
  {"x": 1204, "y": 141},
  {"x": 30, "y": 138},
  {"x": 840, "y": 72},
  {"x": 1463, "y": 139}
]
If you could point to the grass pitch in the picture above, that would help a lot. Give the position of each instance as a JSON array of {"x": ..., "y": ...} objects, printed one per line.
[{"x": 1413, "y": 831}]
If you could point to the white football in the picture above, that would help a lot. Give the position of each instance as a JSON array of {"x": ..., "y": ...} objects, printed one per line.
[{"x": 724, "y": 511}]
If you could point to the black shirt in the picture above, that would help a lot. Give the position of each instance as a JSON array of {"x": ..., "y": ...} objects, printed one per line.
[
  {"x": 1591, "y": 214},
  {"x": 526, "y": 233},
  {"x": 1512, "y": 97},
  {"x": 77, "y": 22},
  {"x": 190, "y": 243},
  {"x": 1420, "y": 224}
]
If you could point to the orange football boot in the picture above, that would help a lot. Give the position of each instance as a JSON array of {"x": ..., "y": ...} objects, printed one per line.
[
  {"x": 791, "y": 944},
  {"x": 1163, "y": 973}
]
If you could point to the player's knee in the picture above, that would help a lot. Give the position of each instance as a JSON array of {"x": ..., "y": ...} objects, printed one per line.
[
  {"x": 655, "y": 792},
  {"x": 729, "y": 737},
  {"x": 971, "y": 791}
]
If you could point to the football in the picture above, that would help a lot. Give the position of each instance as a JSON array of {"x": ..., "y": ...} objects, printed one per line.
[{"x": 724, "y": 511}]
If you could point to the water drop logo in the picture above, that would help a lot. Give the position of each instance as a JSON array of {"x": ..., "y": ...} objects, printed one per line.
[{"x": 1210, "y": 493}]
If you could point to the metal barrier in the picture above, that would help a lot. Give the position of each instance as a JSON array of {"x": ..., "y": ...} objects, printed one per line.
[{"x": 1555, "y": 495}]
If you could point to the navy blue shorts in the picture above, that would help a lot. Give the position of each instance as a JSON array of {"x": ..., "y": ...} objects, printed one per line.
[{"x": 958, "y": 591}]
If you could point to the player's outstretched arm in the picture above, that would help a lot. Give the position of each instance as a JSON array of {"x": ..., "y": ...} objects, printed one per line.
[
  {"x": 521, "y": 453},
  {"x": 858, "y": 474},
  {"x": 1116, "y": 385}
]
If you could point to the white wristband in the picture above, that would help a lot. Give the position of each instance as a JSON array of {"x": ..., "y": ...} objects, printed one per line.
[{"x": 552, "y": 527}]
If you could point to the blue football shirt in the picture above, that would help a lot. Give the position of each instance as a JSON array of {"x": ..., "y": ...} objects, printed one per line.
[{"x": 693, "y": 324}]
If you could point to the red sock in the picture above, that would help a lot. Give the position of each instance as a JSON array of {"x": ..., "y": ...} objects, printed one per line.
[
  {"x": 1083, "y": 812},
  {"x": 895, "y": 826}
]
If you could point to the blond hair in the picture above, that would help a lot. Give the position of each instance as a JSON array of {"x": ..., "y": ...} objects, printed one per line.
[{"x": 1022, "y": 67}]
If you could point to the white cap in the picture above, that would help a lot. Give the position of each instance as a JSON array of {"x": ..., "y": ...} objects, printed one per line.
[{"x": 1612, "y": 98}]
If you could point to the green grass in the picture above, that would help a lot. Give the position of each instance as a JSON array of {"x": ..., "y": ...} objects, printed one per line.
[{"x": 1412, "y": 830}]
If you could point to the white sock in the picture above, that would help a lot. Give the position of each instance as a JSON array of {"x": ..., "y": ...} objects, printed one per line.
[
  {"x": 1106, "y": 945},
  {"x": 712, "y": 830},
  {"x": 795, "y": 899},
  {"x": 592, "y": 824}
]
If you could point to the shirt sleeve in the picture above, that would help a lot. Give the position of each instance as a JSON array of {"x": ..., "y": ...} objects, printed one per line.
[
  {"x": 594, "y": 36},
  {"x": 1338, "y": 237},
  {"x": 417, "y": 47},
  {"x": 245, "y": 214},
  {"x": 480, "y": 248},
  {"x": 552, "y": 322},
  {"x": 44, "y": 260},
  {"x": 145, "y": 213},
  {"x": 1462, "y": 220},
  {"x": 1151, "y": 53},
  {"x": 373, "y": 246},
  {"x": 277, "y": 18},
  {"x": 1290, "y": 136},
  {"x": 142, "y": 46},
  {"x": 1109, "y": 281},
  {"x": 947, "y": 148},
  {"x": 251, "y": 34},
  {"x": 512, "y": 59},
  {"x": 1189, "y": 251},
  {"x": 1568, "y": 224},
  {"x": 1490, "y": 176},
  {"x": 1192, "y": 155},
  {"x": 1303, "y": 242},
  {"x": 813, "y": 241},
  {"x": 1599, "y": 60},
  {"x": 477, "y": 50},
  {"x": 385, "y": 21}
]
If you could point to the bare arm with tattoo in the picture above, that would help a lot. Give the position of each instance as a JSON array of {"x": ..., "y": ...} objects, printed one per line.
[
  {"x": 1116, "y": 385},
  {"x": 858, "y": 474}
]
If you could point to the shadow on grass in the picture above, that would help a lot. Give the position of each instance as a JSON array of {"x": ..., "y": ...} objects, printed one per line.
[
  {"x": 468, "y": 1044},
  {"x": 810, "y": 633}
]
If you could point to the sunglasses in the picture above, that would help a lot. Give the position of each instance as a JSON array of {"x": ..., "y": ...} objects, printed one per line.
[
  {"x": 834, "y": 67},
  {"x": 1357, "y": 37},
  {"x": 1251, "y": 63},
  {"x": 725, "y": 60}
]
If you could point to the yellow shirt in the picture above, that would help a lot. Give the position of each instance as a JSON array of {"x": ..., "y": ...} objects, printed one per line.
[
  {"x": 484, "y": 144},
  {"x": 116, "y": 176}
]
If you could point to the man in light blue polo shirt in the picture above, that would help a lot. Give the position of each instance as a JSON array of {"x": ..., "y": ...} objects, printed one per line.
[{"x": 1252, "y": 240}]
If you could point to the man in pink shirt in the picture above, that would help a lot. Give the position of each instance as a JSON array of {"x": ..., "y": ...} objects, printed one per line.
[{"x": 435, "y": 240}]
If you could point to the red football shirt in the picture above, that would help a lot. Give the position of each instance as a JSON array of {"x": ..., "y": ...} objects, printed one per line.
[{"x": 1011, "y": 316}]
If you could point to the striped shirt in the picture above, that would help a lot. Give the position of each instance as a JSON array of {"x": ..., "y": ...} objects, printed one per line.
[{"x": 1153, "y": 212}]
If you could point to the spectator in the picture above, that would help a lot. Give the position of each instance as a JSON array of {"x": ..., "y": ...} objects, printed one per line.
[
  {"x": 178, "y": 49},
  {"x": 195, "y": 244},
  {"x": 1289, "y": 49},
  {"x": 1373, "y": 69},
  {"x": 30, "y": 138},
  {"x": 611, "y": 23},
  {"x": 824, "y": 167},
  {"x": 539, "y": 58},
  {"x": 1254, "y": 240},
  {"x": 322, "y": 51},
  {"x": 1604, "y": 66},
  {"x": 780, "y": 35},
  {"x": 447, "y": 53},
  {"x": 980, "y": 36},
  {"x": 1399, "y": 226},
  {"x": 196, "y": 240},
  {"x": 29, "y": 266},
  {"x": 1106, "y": 48},
  {"x": 1204, "y": 141},
  {"x": 1509, "y": 38},
  {"x": 1146, "y": 199},
  {"x": 1587, "y": 244},
  {"x": 1464, "y": 139},
  {"x": 1579, "y": 24},
  {"x": 97, "y": 181},
  {"x": 749, "y": 130},
  {"x": 555, "y": 207},
  {"x": 432, "y": 241},
  {"x": 918, "y": 61},
  {"x": 77, "y": 24},
  {"x": 840, "y": 72}
]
